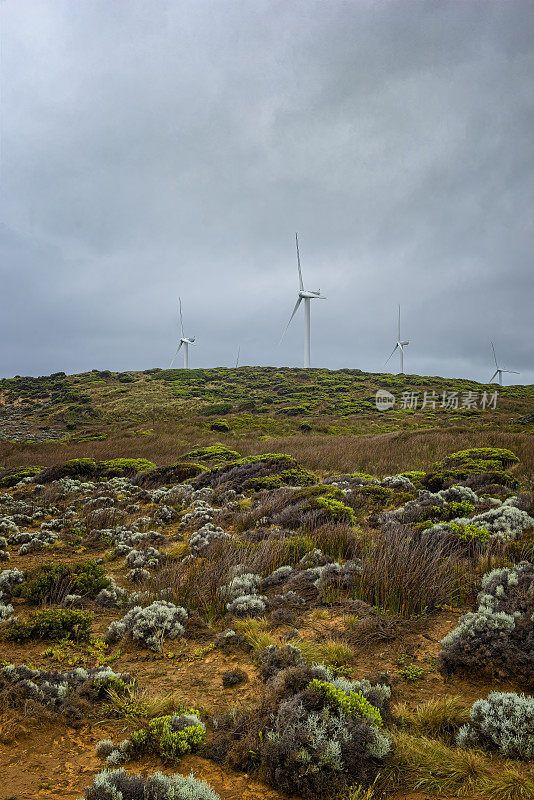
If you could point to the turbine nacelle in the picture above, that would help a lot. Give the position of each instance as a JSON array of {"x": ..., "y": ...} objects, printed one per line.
[
  {"x": 309, "y": 295},
  {"x": 185, "y": 340},
  {"x": 499, "y": 371}
]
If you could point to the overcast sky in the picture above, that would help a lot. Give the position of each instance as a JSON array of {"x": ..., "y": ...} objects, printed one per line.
[{"x": 156, "y": 148}]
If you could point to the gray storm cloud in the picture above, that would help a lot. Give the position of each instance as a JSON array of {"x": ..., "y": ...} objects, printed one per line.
[{"x": 151, "y": 149}]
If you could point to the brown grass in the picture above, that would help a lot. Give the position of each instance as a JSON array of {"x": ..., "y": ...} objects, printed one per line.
[
  {"x": 405, "y": 576},
  {"x": 422, "y": 763},
  {"x": 380, "y": 454}
]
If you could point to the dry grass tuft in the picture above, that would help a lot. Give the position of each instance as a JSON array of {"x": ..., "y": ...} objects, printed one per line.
[
  {"x": 328, "y": 651},
  {"x": 427, "y": 764},
  {"x": 508, "y": 784},
  {"x": 255, "y": 633},
  {"x": 442, "y": 717}
]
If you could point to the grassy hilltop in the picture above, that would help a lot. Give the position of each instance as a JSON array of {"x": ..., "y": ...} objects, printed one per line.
[
  {"x": 313, "y": 414},
  {"x": 256, "y": 576}
]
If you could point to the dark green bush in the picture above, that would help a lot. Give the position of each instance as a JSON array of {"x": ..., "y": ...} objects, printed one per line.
[
  {"x": 220, "y": 425},
  {"x": 492, "y": 462},
  {"x": 10, "y": 477},
  {"x": 51, "y": 623},
  {"x": 50, "y": 582},
  {"x": 504, "y": 458},
  {"x": 451, "y": 511},
  {"x": 78, "y": 468}
]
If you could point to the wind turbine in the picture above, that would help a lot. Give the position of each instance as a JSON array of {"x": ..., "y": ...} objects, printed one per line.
[
  {"x": 399, "y": 346},
  {"x": 306, "y": 296},
  {"x": 184, "y": 340},
  {"x": 499, "y": 371}
]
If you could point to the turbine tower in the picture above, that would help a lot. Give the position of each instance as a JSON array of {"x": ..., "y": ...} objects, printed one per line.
[
  {"x": 499, "y": 371},
  {"x": 184, "y": 340},
  {"x": 399, "y": 346},
  {"x": 306, "y": 296}
]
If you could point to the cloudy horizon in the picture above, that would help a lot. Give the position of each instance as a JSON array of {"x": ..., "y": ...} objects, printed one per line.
[{"x": 157, "y": 149}]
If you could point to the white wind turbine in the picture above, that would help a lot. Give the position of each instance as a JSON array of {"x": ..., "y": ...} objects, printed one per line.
[
  {"x": 184, "y": 340},
  {"x": 306, "y": 296},
  {"x": 499, "y": 371},
  {"x": 399, "y": 346}
]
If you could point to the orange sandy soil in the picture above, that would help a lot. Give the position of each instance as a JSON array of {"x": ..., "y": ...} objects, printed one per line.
[
  {"x": 50, "y": 760},
  {"x": 57, "y": 761}
]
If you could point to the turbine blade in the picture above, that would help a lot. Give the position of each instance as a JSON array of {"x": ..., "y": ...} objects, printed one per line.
[
  {"x": 391, "y": 353},
  {"x": 181, "y": 321},
  {"x": 297, "y": 304},
  {"x": 514, "y": 371},
  {"x": 398, "y": 338},
  {"x": 174, "y": 356},
  {"x": 494, "y": 374},
  {"x": 494, "y": 356},
  {"x": 301, "y": 283}
]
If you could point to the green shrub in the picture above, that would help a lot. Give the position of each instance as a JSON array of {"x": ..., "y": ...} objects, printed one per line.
[
  {"x": 51, "y": 623},
  {"x": 266, "y": 482},
  {"x": 353, "y": 704},
  {"x": 415, "y": 477},
  {"x": 220, "y": 425},
  {"x": 335, "y": 510},
  {"x": 451, "y": 510},
  {"x": 40, "y": 585},
  {"x": 469, "y": 533},
  {"x": 436, "y": 480},
  {"x": 297, "y": 476},
  {"x": 11, "y": 477},
  {"x": 281, "y": 459},
  {"x": 317, "y": 490},
  {"x": 287, "y": 477},
  {"x": 504, "y": 458},
  {"x": 170, "y": 736},
  {"x": 216, "y": 454},
  {"x": 475, "y": 461},
  {"x": 124, "y": 466},
  {"x": 247, "y": 405},
  {"x": 377, "y": 496},
  {"x": 363, "y": 475},
  {"x": 77, "y": 468}
]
